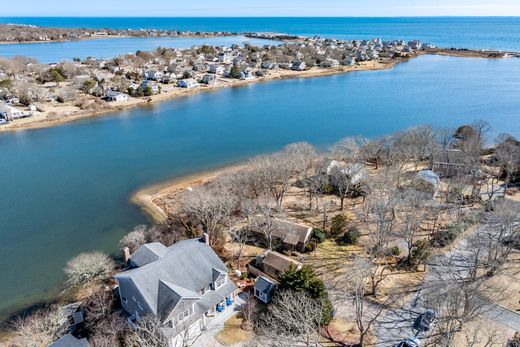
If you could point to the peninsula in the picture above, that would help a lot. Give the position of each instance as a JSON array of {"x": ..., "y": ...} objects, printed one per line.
[{"x": 38, "y": 95}]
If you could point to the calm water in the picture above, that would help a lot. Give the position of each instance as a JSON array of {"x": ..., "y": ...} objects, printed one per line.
[
  {"x": 52, "y": 52},
  {"x": 463, "y": 32},
  {"x": 65, "y": 189}
]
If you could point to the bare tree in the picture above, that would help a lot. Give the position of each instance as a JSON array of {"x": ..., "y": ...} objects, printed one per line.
[
  {"x": 275, "y": 171},
  {"x": 241, "y": 238},
  {"x": 292, "y": 319},
  {"x": 87, "y": 267},
  {"x": 109, "y": 332},
  {"x": 507, "y": 156},
  {"x": 212, "y": 208},
  {"x": 413, "y": 213},
  {"x": 380, "y": 220},
  {"x": 149, "y": 333},
  {"x": 344, "y": 178},
  {"x": 357, "y": 279},
  {"x": 135, "y": 239},
  {"x": 38, "y": 329}
]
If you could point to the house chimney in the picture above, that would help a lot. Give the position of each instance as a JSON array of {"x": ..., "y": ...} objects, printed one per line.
[
  {"x": 126, "y": 254},
  {"x": 205, "y": 238}
]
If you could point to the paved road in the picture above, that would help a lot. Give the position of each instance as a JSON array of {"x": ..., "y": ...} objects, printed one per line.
[{"x": 396, "y": 325}]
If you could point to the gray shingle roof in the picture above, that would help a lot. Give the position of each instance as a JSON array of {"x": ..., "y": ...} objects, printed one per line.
[
  {"x": 185, "y": 268},
  {"x": 264, "y": 285},
  {"x": 69, "y": 341},
  {"x": 148, "y": 253}
]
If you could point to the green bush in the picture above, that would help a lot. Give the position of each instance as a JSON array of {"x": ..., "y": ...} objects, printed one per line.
[
  {"x": 25, "y": 100},
  {"x": 7, "y": 84},
  {"x": 394, "y": 251},
  {"x": 319, "y": 235},
  {"x": 234, "y": 72},
  {"x": 420, "y": 252},
  {"x": 306, "y": 280},
  {"x": 339, "y": 224},
  {"x": 310, "y": 246},
  {"x": 448, "y": 235},
  {"x": 148, "y": 91},
  {"x": 351, "y": 237}
]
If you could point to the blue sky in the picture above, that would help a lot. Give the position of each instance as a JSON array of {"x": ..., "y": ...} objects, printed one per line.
[{"x": 193, "y": 8}]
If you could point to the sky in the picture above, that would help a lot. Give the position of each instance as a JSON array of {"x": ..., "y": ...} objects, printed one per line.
[{"x": 261, "y": 8}]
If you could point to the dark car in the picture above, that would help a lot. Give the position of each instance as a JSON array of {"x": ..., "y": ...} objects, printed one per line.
[
  {"x": 425, "y": 321},
  {"x": 409, "y": 342}
]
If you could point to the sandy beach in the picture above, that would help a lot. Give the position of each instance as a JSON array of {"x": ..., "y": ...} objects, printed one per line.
[
  {"x": 55, "y": 114},
  {"x": 153, "y": 199}
]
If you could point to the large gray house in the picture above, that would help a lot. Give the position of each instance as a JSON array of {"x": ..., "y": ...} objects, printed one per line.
[{"x": 181, "y": 285}]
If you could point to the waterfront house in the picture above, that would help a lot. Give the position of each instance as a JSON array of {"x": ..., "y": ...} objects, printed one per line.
[
  {"x": 183, "y": 286},
  {"x": 448, "y": 162},
  {"x": 10, "y": 113},
  {"x": 153, "y": 86},
  {"x": 187, "y": 83},
  {"x": 209, "y": 79},
  {"x": 217, "y": 69},
  {"x": 290, "y": 235},
  {"x": 298, "y": 66},
  {"x": 116, "y": 96}
]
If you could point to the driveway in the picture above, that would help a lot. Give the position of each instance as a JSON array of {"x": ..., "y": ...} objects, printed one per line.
[
  {"x": 216, "y": 324},
  {"x": 396, "y": 324}
]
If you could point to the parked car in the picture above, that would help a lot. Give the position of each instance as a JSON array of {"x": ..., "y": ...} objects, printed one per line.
[
  {"x": 410, "y": 342},
  {"x": 425, "y": 321}
]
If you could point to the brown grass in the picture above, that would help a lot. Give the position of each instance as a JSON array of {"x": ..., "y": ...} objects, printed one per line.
[{"x": 233, "y": 333}]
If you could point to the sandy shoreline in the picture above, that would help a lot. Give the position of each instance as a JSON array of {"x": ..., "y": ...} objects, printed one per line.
[
  {"x": 63, "y": 113},
  {"x": 150, "y": 197}
]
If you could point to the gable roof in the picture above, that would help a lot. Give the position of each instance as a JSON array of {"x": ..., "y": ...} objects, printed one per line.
[
  {"x": 185, "y": 268},
  {"x": 264, "y": 285},
  {"x": 148, "y": 253},
  {"x": 279, "y": 261},
  {"x": 290, "y": 232},
  {"x": 449, "y": 156},
  {"x": 69, "y": 341}
]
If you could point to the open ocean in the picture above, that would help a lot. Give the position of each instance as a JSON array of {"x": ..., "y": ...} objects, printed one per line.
[{"x": 501, "y": 33}]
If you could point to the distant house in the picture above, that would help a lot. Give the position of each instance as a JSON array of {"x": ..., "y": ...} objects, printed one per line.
[
  {"x": 291, "y": 235},
  {"x": 217, "y": 69},
  {"x": 153, "y": 75},
  {"x": 298, "y": 66},
  {"x": 448, "y": 162},
  {"x": 428, "y": 182},
  {"x": 349, "y": 61},
  {"x": 116, "y": 96},
  {"x": 182, "y": 285},
  {"x": 187, "y": 83},
  {"x": 153, "y": 86},
  {"x": 70, "y": 341},
  {"x": 10, "y": 113},
  {"x": 209, "y": 79},
  {"x": 355, "y": 172}
]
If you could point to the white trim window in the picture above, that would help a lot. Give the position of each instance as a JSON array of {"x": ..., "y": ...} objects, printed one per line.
[
  {"x": 184, "y": 315},
  {"x": 221, "y": 280}
]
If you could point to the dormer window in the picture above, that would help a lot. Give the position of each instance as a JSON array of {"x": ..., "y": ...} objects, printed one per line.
[{"x": 220, "y": 281}]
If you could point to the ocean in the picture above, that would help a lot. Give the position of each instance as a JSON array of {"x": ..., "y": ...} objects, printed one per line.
[{"x": 502, "y": 33}]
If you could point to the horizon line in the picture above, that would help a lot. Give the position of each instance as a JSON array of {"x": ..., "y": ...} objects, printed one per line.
[{"x": 303, "y": 16}]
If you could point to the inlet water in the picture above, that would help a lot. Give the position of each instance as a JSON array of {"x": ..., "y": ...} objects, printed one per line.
[{"x": 65, "y": 190}]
